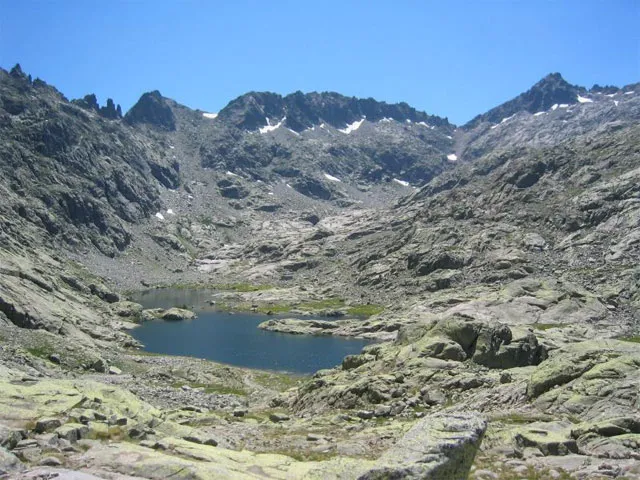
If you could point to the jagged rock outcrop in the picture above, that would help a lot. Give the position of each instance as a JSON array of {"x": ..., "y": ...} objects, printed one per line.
[
  {"x": 299, "y": 111},
  {"x": 152, "y": 109},
  {"x": 90, "y": 102}
]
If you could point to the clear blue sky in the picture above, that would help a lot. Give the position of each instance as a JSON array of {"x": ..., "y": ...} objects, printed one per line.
[{"x": 450, "y": 58}]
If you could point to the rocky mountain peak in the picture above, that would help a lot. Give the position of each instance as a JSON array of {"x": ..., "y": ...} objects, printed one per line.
[
  {"x": 90, "y": 102},
  {"x": 551, "y": 90},
  {"x": 152, "y": 109},
  {"x": 299, "y": 111}
]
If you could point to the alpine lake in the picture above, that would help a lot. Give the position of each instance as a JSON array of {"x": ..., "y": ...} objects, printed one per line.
[{"x": 234, "y": 337}]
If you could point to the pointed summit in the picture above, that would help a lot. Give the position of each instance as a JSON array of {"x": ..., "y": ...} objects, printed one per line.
[
  {"x": 153, "y": 109},
  {"x": 551, "y": 90}
]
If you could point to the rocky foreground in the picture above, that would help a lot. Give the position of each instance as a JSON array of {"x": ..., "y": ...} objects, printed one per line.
[{"x": 500, "y": 284}]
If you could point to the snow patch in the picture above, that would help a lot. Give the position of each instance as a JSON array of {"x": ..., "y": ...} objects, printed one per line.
[
  {"x": 322, "y": 125},
  {"x": 424, "y": 124},
  {"x": 386, "y": 120},
  {"x": 171, "y": 147},
  {"x": 616, "y": 102},
  {"x": 564, "y": 105},
  {"x": 629, "y": 93},
  {"x": 231, "y": 174},
  {"x": 554, "y": 106},
  {"x": 159, "y": 216},
  {"x": 611, "y": 95},
  {"x": 401, "y": 182},
  {"x": 504, "y": 120},
  {"x": 270, "y": 128},
  {"x": 270, "y": 193},
  {"x": 408, "y": 121},
  {"x": 170, "y": 212},
  {"x": 584, "y": 99},
  {"x": 353, "y": 127},
  {"x": 449, "y": 137},
  {"x": 537, "y": 114},
  {"x": 332, "y": 178},
  {"x": 294, "y": 132},
  {"x": 210, "y": 115},
  {"x": 288, "y": 186},
  {"x": 452, "y": 157}
]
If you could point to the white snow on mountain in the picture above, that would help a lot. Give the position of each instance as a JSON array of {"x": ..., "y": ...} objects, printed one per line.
[
  {"x": 401, "y": 182},
  {"x": 270, "y": 128},
  {"x": 332, "y": 178},
  {"x": 504, "y": 120},
  {"x": 584, "y": 99},
  {"x": 159, "y": 216},
  {"x": 452, "y": 157},
  {"x": 210, "y": 115},
  {"x": 353, "y": 127},
  {"x": 537, "y": 114}
]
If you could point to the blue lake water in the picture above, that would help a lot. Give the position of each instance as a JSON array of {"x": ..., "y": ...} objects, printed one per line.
[{"x": 234, "y": 338}]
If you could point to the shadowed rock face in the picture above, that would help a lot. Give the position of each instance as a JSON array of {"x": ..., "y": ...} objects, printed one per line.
[
  {"x": 78, "y": 177},
  {"x": 153, "y": 110}
]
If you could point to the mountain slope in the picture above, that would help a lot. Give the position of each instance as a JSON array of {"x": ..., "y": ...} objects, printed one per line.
[
  {"x": 486, "y": 260},
  {"x": 74, "y": 174}
]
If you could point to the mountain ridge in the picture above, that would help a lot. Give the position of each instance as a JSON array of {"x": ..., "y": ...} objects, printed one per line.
[{"x": 485, "y": 260}]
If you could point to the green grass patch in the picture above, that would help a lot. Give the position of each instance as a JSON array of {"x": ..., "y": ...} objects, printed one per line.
[
  {"x": 272, "y": 309},
  {"x": 206, "y": 220},
  {"x": 214, "y": 388},
  {"x": 41, "y": 351},
  {"x": 515, "y": 418},
  {"x": 278, "y": 381},
  {"x": 280, "y": 308},
  {"x": 632, "y": 339},
  {"x": 365, "y": 310},
  {"x": 144, "y": 353},
  {"x": 241, "y": 287},
  {"x": 185, "y": 286},
  {"x": 321, "y": 304},
  {"x": 305, "y": 456},
  {"x": 548, "y": 326}
]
